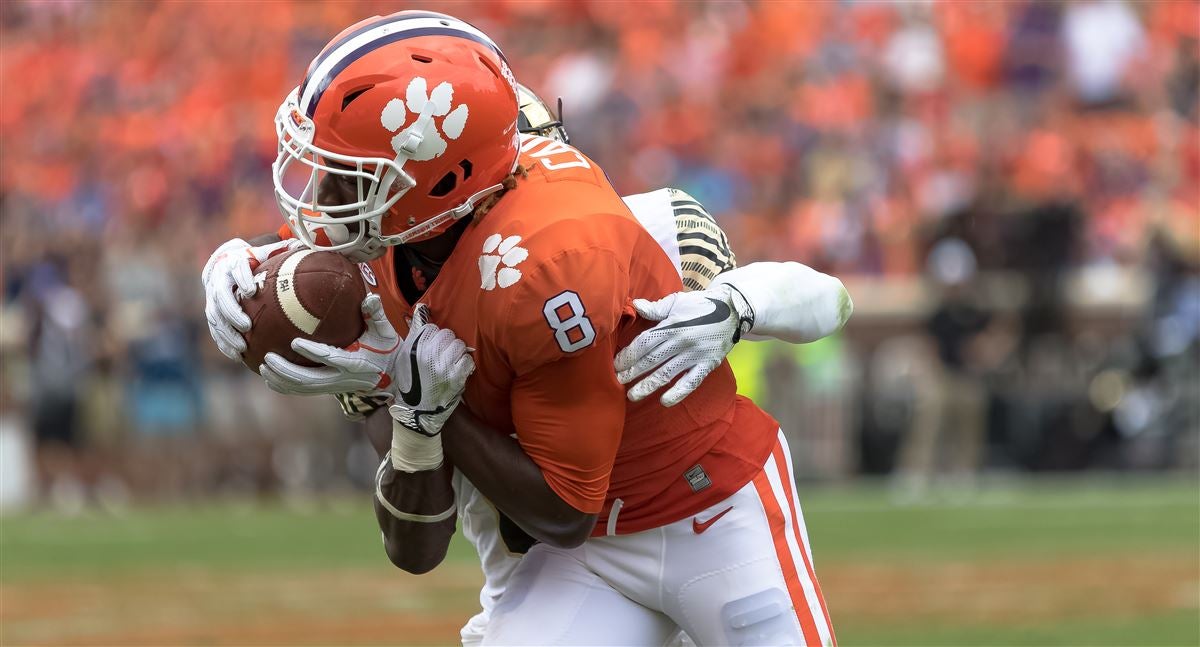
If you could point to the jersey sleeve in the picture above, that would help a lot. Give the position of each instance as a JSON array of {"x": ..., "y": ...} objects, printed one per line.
[
  {"x": 357, "y": 406},
  {"x": 704, "y": 250},
  {"x": 569, "y": 416}
]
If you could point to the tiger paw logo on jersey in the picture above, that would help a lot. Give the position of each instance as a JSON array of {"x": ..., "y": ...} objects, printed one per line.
[
  {"x": 497, "y": 264},
  {"x": 395, "y": 116}
]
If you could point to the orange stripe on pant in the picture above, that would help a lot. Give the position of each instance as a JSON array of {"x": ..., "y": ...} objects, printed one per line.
[
  {"x": 785, "y": 476},
  {"x": 766, "y": 494}
]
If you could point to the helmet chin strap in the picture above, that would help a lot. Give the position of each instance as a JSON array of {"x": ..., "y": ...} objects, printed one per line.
[{"x": 450, "y": 215}]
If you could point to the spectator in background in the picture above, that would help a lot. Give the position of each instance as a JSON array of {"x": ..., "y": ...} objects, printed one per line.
[
  {"x": 1103, "y": 39},
  {"x": 60, "y": 360},
  {"x": 947, "y": 434},
  {"x": 832, "y": 132}
]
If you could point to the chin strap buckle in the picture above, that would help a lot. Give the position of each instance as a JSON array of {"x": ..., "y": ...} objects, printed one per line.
[
  {"x": 468, "y": 205},
  {"x": 415, "y": 134},
  {"x": 412, "y": 141}
]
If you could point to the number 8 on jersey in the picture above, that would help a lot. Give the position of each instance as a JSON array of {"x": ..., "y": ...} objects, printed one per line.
[{"x": 572, "y": 329}]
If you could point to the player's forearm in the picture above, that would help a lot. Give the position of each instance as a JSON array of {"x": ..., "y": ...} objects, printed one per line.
[
  {"x": 408, "y": 505},
  {"x": 498, "y": 467},
  {"x": 792, "y": 302}
]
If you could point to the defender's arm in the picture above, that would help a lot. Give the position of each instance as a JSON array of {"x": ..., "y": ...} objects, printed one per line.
[{"x": 789, "y": 301}]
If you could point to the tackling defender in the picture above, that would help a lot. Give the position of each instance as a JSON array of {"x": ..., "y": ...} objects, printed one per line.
[{"x": 546, "y": 212}]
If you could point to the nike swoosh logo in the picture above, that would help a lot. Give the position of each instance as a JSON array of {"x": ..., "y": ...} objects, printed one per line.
[
  {"x": 412, "y": 397},
  {"x": 699, "y": 527},
  {"x": 720, "y": 313}
]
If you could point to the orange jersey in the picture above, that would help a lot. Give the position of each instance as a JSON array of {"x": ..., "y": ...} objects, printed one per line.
[{"x": 541, "y": 287}]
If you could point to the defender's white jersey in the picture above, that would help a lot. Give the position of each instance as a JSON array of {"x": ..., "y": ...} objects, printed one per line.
[
  {"x": 686, "y": 232},
  {"x": 700, "y": 251}
]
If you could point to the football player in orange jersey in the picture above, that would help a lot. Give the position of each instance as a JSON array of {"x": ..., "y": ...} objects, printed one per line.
[
  {"x": 559, "y": 260},
  {"x": 812, "y": 306}
]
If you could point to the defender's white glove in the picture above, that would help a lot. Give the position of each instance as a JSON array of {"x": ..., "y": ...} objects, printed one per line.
[
  {"x": 431, "y": 377},
  {"x": 228, "y": 276},
  {"x": 696, "y": 332},
  {"x": 366, "y": 366},
  {"x": 786, "y": 301}
]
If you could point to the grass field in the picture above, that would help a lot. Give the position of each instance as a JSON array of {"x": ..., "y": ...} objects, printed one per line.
[{"x": 1081, "y": 562}]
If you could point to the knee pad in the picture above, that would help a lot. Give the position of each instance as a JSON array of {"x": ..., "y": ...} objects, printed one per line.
[{"x": 763, "y": 618}]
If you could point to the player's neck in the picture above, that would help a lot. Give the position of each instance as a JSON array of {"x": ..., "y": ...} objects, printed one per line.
[
  {"x": 436, "y": 250},
  {"x": 417, "y": 265}
]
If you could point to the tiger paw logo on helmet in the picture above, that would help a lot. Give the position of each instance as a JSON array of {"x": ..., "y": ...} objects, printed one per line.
[
  {"x": 497, "y": 251},
  {"x": 395, "y": 116}
]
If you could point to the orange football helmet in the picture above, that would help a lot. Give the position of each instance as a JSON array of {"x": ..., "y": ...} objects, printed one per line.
[{"x": 416, "y": 112}]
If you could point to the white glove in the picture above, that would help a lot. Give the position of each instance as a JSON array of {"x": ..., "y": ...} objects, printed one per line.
[
  {"x": 695, "y": 333},
  {"x": 786, "y": 301},
  {"x": 228, "y": 277},
  {"x": 431, "y": 377},
  {"x": 364, "y": 367}
]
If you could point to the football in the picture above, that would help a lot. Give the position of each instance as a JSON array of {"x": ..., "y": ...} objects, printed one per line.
[{"x": 307, "y": 294}]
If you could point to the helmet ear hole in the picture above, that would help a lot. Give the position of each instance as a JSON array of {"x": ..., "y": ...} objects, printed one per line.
[
  {"x": 450, "y": 180},
  {"x": 352, "y": 95},
  {"x": 444, "y": 185}
]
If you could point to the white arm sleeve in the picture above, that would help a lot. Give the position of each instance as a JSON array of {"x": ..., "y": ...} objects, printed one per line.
[{"x": 791, "y": 302}]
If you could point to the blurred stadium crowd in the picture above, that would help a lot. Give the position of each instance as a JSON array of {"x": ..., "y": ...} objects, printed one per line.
[{"x": 1010, "y": 189}]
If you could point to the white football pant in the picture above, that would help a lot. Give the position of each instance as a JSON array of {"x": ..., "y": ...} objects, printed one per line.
[{"x": 738, "y": 573}]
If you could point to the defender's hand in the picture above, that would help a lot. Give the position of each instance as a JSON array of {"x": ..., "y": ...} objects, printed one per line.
[
  {"x": 228, "y": 277},
  {"x": 364, "y": 367},
  {"x": 697, "y": 331}
]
